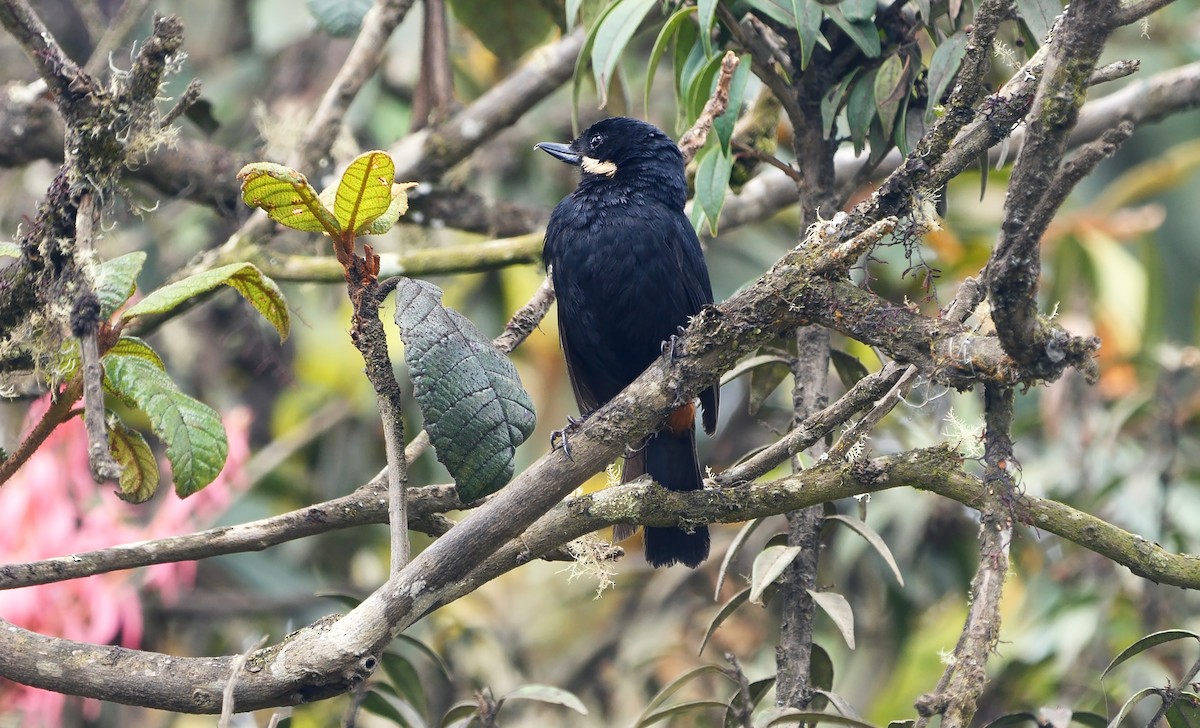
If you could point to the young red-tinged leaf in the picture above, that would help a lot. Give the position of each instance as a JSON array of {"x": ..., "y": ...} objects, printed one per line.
[
  {"x": 768, "y": 566},
  {"x": 260, "y": 291},
  {"x": 116, "y": 280},
  {"x": 838, "y": 609},
  {"x": 192, "y": 431},
  {"x": 1145, "y": 643},
  {"x": 547, "y": 694},
  {"x": 872, "y": 537},
  {"x": 287, "y": 198},
  {"x": 139, "y": 469},
  {"x": 364, "y": 191},
  {"x": 729, "y": 608}
]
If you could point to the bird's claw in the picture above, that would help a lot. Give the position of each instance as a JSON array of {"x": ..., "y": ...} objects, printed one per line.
[
  {"x": 669, "y": 345},
  {"x": 562, "y": 435}
]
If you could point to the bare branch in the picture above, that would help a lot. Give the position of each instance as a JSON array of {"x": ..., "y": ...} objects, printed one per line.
[{"x": 695, "y": 137}]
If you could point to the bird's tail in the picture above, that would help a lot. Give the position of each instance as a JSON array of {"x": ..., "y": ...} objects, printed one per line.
[{"x": 670, "y": 459}]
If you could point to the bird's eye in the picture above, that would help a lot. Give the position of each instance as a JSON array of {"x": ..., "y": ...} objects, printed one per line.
[{"x": 596, "y": 140}]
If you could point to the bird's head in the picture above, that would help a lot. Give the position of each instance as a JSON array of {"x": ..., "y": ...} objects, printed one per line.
[{"x": 621, "y": 146}]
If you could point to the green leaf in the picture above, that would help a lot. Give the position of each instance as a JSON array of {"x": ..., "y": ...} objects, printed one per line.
[
  {"x": 339, "y": 17},
  {"x": 1130, "y": 704},
  {"x": 838, "y": 609},
  {"x": 731, "y": 553},
  {"x": 857, "y": 10},
  {"x": 1091, "y": 720},
  {"x": 405, "y": 679},
  {"x": 891, "y": 86},
  {"x": 807, "y": 14},
  {"x": 1038, "y": 16},
  {"x": 849, "y": 368},
  {"x": 727, "y": 609},
  {"x": 426, "y": 650},
  {"x": 701, "y": 86},
  {"x": 547, "y": 694},
  {"x": 820, "y": 668},
  {"x": 674, "y": 686},
  {"x": 707, "y": 15},
  {"x": 613, "y": 32},
  {"x": 116, "y": 280},
  {"x": 364, "y": 191},
  {"x": 1184, "y": 712},
  {"x": 192, "y": 431},
  {"x": 723, "y": 124},
  {"x": 393, "y": 707},
  {"x": 139, "y": 469},
  {"x": 10, "y": 249},
  {"x": 840, "y": 704},
  {"x": 942, "y": 69},
  {"x": 713, "y": 168},
  {"x": 679, "y": 709},
  {"x": 863, "y": 32},
  {"x": 287, "y": 198},
  {"x": 1145, "y": 643},
  {"x": 758, "y": 689},
  {"x": 871, "y": 537},
  {"x": 668, "y": 32},
  {"x": 510, "y": 28},
  {"x": 259, "y": 291},
  {"x": 133, "y": 346},
  {"x": 860, "y": 110},
  {"x": 769, "y": 566},
  {"x": 792, "y": 716},
  {"x": 475, "y": 409},
  {"x": 459, "y": 714}
]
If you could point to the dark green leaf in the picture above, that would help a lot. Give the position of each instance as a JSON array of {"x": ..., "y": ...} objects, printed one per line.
[
  {"x": 1185, "y": 712},
  {"x": 259, "y": 290},
  {"x": 820, "y": 668},
  {"x": 668, "y": 32},
  {"x": 116, "y": 280},
  {"x": 781, "y": 11},
  {"x": 394, "y": 708},
  {"x": 195, "y": 437},
  {"x": 426, "y": 650},
  {"x": 1038, "y": 16},
  {"x": 1091, "y": 720},
  {"x": 713, "y": 168},
  {"x": 891, "y": 86},
  {"x": 460, "y": 714},
  {"x": 1013, "y": 719},
  {"x": 405, "y": 679},
  {"x": 942, "y": 69},
  {"x": 1145, "y": 643},
  {"x": 808, "y": 16},
  {"x": 1130, "y": 704},
  {"x": 856, "y": 10},
  {"x": 832, "y": 103},
  {"x": 758, "y": 689},
  {"x": 339, "y": 17},
  {"x": 349, "y": 601},
  {"x": 139, "y": 469},
  {"x": 863, "y": 32},
  {"x": 509, "y": 29},
  {"x": 723, "y": 124},
  {"x": 475, "y": 409},
  {"x": 840, "y": 704},
  {"x": 849, "y": 368},
  {"x": 860, "y": 110},
  {"x": 729, "y": 608},
  {"x": 548, "y": 694},
  {"x": 701, "y": 87},
  {"x": 792, "y": 716}
]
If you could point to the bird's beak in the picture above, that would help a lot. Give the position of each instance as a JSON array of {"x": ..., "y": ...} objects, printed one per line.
[{"x": 561, "y": 152}]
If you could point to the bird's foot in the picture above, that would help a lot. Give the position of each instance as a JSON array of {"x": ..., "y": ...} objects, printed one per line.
[
  {"x": 668, "y": 346},
  {"x": 558, "y": 435}
]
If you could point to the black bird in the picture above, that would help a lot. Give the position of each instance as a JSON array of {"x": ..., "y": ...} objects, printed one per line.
[{"x": 628, "y": 273}]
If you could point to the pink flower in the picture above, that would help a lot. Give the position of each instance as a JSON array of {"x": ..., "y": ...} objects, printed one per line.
[{"x": 52, "y": 507}]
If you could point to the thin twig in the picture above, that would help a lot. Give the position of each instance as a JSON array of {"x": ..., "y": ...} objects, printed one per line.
[
  {"x": 235, "y": 669},
  {"x": 695, "y": 137},
  {"x": 127, "y": 17}
]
